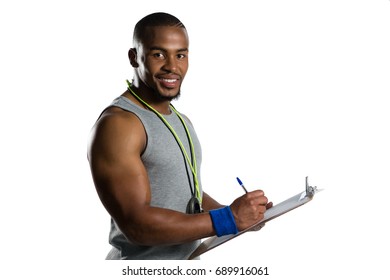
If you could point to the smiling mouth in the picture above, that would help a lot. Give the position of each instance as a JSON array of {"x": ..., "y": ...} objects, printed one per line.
[
  {"x": 166, "y": 80},
  {"x": 168, "y": 83},
  {"x": 169, "y": 80}
]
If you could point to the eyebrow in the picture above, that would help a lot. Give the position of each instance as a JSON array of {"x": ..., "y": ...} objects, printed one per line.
[{"x": 165, "y": 50}]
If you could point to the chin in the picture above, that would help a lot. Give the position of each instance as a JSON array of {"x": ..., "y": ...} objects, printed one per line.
[{"x": 169, "y": 97}]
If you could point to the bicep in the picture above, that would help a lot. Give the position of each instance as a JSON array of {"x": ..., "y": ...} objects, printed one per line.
[
  {"x": 118, "y": 172},
  {"x": 122, "y": 183}
]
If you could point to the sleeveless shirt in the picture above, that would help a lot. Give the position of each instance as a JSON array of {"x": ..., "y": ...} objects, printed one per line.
[{"x": 170, "y": 177}]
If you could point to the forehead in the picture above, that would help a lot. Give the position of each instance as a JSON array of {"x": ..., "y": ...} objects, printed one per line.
[{"x": 169, "y": 37}]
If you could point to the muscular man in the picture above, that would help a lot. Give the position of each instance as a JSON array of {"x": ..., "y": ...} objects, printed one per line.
[{"x": 145, "y": 157}]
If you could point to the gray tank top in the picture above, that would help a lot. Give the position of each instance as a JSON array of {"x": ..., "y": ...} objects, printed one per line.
[{"x": 170, "y": 179}]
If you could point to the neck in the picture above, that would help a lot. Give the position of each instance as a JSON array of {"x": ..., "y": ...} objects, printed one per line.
[{"x": 148, "y": 95}]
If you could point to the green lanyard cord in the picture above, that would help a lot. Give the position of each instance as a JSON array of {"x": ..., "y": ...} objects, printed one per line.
[{"x": 192, "y": 164}]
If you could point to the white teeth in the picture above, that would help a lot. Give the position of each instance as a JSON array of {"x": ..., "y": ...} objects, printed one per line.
[{"x": 169, "y": 80}]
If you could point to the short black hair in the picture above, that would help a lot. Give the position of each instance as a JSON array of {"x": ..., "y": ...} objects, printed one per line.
[{"x": 152, "y": 20}]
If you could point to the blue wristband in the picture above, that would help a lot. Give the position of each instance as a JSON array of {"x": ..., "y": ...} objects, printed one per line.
[{"x": 223, "y": 221}]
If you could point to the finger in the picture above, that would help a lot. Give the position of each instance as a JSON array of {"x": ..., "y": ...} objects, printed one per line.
[
  {"x": 262, "y": 209},
  {"x": 263, "y": 200},
  {"x": 254, "y": 194},
  {"x": 269, "y": 205}
]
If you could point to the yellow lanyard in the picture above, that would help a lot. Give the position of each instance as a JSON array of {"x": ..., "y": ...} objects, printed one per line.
[{"x": 192, "y": 164}]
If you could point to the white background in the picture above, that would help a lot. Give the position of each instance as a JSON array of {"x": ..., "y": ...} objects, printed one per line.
[{"x": 277, "y": 90}]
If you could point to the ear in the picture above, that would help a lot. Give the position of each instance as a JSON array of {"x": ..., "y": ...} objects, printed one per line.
[{"x": 133, "y": 57}]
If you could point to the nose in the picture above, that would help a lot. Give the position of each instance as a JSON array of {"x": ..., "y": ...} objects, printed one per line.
[{"x": 170, "y": 64}]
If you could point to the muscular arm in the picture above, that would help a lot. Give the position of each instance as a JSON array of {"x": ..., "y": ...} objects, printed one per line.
[
  {"x": 121, "y": 181},
  {"x": 117, "y": 142}
]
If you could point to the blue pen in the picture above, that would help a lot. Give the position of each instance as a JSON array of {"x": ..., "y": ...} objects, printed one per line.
[{"x": 241, "y": 184}]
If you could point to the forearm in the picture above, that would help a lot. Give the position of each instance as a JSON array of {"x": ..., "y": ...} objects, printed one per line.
[{"x": 158, "y": 226}]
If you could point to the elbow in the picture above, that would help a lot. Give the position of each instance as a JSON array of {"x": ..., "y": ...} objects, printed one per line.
[
  {"x": 139, "y": 239},
  {"x": 141, "y": 236}
]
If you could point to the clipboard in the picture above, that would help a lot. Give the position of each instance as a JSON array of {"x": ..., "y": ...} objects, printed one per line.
[{"x": 272, "y": 213}]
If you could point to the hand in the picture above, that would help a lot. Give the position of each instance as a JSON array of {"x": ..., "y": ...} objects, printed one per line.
[{"x": 249, "y": 209}]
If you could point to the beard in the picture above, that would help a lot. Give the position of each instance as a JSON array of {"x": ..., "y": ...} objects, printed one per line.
[{"x": 162, "y": 97}]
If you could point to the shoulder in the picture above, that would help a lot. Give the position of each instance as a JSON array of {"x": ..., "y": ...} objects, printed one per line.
[
  {"x": 117, "y": 116},
  {"x": 117, "y": 121},
  {"x": 117, "y": 129}
]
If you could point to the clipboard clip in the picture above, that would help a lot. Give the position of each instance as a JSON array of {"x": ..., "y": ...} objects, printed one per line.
[{"x": 310, "y": 191}]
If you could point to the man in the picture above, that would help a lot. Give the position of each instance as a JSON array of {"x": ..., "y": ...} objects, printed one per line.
[{"x": 145, "y": 157}]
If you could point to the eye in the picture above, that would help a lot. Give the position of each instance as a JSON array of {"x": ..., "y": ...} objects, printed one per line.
[
  {"x": 158, "y": 55},
  {"x": 181, "y": 56}
]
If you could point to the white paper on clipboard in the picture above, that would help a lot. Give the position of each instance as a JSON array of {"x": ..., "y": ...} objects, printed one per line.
[{"x": 272, "y": 213}]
